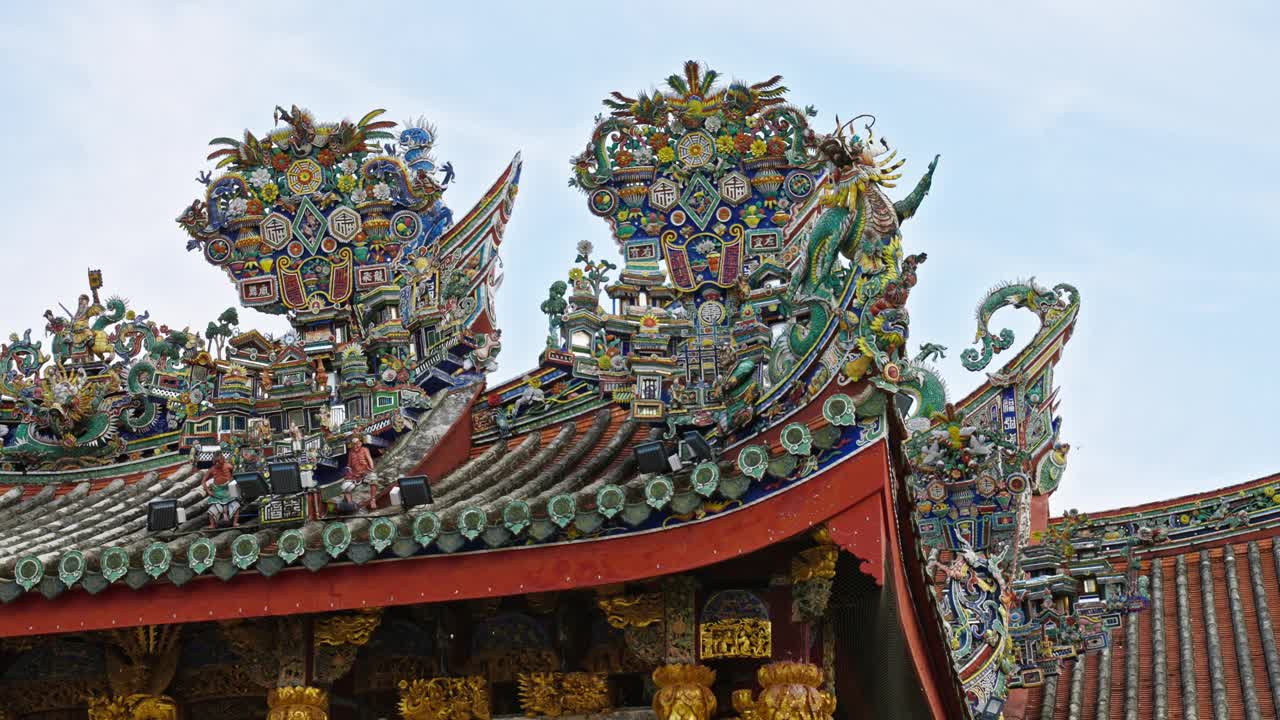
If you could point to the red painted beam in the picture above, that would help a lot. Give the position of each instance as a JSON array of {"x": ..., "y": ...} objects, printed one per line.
[
  {"x": 453, "y": 449},
  {"x": 509, "y": 571},
  {"x": 861, "y": 531}
]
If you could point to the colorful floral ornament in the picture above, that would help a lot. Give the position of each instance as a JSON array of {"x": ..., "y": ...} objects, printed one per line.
[
  {"x": 562, "y": 509},
  {"x": 336, "y": 537},
  {"x": 156, "y": 559},
  {"x": 797, "y": 439},
  {"x": 200, "y": 555},
  {"x": 245, "y": 550},
  {"x": 304, "y": 177},
  {"x": 426, "y": 528},
  {"x": 892, "y": 372},
  {"x": 603, "y": 202},
  {"x": 610, "y": 500},
  {"x": 269, "y": 193},
  {"x": 516, "y": 516},
  {"x": 658, "y": 492},
  {"x": 405, "y": 225},
  {"x": 71, "y": 567},
  {"x": 471, "y": 522},
  {"x": 382, "y": 532},
  {"x": 753, "y": 460},
  {"x": 799, "y": 184},
  {"x": 217, "y": 250},
  {"x": 28, "y": 571},
  {"x": 696, "y": 149},
  {"x": 291, "y": 545}
]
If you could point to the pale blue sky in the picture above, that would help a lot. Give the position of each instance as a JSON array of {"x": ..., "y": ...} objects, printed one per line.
[{"x": 1125, "y": 147}]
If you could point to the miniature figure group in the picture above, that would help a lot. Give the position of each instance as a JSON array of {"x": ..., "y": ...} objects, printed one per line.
[{"x": 224, "y": 506}]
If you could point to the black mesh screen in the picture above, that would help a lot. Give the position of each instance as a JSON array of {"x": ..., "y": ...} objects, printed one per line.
[{"x": 874, "y": 675}]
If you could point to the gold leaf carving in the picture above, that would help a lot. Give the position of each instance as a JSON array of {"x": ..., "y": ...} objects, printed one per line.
[
  {"x": 552, "y": 694},
  {"x": 465, "y": 698},
  {"x": 624, "y": 611}
]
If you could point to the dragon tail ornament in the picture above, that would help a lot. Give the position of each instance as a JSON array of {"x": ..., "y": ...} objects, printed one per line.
[{"x": 1048, "y": 305}]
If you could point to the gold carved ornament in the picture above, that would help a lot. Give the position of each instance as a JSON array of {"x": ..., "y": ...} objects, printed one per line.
[
  {"x": 465, "y": 698},
  {"x": 132, "y": 707},
  {"x": 354, "y": 629},
  {"x": 735, "y": 638},
  {"x": 297, "y": 703},
  {"x": 813, "y": 563},
  {"x": 142, "y": 661},
  {"x": 791, "y": 691},
  {"x": 552, "y": 694},
  {"x": 632, "y": 611},
  {"x": 684, "y": 692}
]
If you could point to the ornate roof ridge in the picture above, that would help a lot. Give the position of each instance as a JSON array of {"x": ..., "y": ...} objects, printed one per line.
[{"x": 1188, "y": 499}]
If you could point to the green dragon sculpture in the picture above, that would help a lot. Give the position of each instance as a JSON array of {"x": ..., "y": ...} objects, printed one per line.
[
  {"x": 820, "y": 276},
  {"x": 20, "y": 360},
  {"x": 860, "y": 224},
  {"x": 165, "y": 348},
  {"x": 592, "y": 169},
  {"x": 793, "y": 122},
  {"x": 1046, "y": 304},
  {"x": 925, "y": 387}
]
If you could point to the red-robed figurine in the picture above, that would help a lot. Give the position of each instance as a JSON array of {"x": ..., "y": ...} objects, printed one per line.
[
  {"x": 217, "y": 485},
  {"x": 359, "y": 466}
]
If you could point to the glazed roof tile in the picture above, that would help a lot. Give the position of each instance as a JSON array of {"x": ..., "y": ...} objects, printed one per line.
[
  {"x": 1206, "y": 647},
  {"x": 60, "y": 537}
]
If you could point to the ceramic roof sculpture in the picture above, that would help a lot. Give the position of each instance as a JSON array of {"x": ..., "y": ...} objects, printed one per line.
[{"x": 740, "y": 385}]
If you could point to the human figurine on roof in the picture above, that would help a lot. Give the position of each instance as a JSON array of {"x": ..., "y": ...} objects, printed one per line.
[
  {"x": 359, "y": 466},
  {"x": 216, "y": 483},
  {"x": 295, "y": 438},
  {"x": 322, "y": 377}
]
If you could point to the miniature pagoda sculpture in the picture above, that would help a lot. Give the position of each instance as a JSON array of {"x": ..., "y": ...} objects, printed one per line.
[
  {"x": 388, "y": 299},
  {"x": 749, "y": 241}
]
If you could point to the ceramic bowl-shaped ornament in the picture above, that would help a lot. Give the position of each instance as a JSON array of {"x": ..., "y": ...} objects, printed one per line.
[{"x": 633, "y": 195}]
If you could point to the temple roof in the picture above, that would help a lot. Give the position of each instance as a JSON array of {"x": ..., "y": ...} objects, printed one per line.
[
  {"x": 571, "y": 480},
  {"x": 1210, "y": 563}
]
